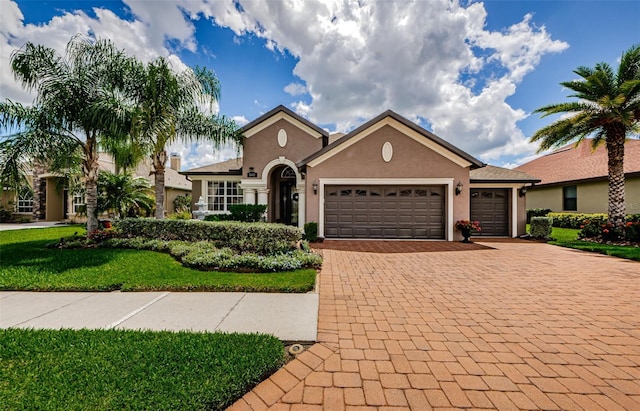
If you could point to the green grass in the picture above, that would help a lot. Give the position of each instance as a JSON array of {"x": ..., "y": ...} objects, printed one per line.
[
  {"x": 568, "y": 237},
  {"x": 131, "y": 370},
  {"x": 27, "y": 264}
]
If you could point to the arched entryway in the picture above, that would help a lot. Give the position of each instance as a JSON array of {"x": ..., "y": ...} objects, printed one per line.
[{"x": 284, "y": 196}]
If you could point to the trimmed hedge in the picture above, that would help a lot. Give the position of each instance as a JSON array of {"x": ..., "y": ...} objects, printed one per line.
[
  {"x": 311, "y": 231},
  {"x": 203, "y": 255},
  {"x": 541, "y": 227},
  {"x": 577, "y": 220},
  {"x": 537, "y": 212},
  {"x": 259, "y": 238}
]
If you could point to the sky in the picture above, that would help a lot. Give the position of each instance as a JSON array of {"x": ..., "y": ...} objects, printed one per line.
[{"x": 471, "y": 72}]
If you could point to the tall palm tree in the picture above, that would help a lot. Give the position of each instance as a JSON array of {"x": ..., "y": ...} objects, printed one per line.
[
  {"x": 79, "y": 104},
  {"x": 120, "y": 193},
  {"x": 608, "y": 109},
  {"x": 174, "y": 105}
]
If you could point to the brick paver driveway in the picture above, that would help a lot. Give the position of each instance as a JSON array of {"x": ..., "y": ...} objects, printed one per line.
[{"x": 520, "y": 326}]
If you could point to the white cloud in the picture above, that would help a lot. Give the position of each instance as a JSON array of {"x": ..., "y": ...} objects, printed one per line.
[
  {"x": 433, "y": 60},
  {"x": 426, "y": 59},
  {"x": 240, "y": 120},
  {"x": 295, "y": 89}
]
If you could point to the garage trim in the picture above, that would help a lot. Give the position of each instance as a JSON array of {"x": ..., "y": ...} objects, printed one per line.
[
  {"x": 514, "y": 201},
  {"x": 389, "y": 181}
]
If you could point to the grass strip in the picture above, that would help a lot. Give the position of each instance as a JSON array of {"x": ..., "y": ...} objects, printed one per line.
[
  {"x": 568, "y": 237},
  {"x": 28, "y": 265},
  {"x": 131, "y": 370}
]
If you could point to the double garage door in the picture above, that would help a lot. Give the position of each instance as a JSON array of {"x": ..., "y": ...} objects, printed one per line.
[{"x": 384, "y": 212}]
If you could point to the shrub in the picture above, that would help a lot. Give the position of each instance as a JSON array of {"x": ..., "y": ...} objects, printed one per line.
[
  {"x": 541, "y": 227},
  {"x": 204, "y": 256},
  {"x": 632, "y": 231},
  {"x": 248, "y": 213},
  {"x": 218, "y": 217},
  {"x": 310, "y": 231},
  {"x": 180, "y": 215},
  {"x": 260, "y": 238},
  {"x": 182, "y": 203},
  {"x": 537, "y": 212},
  {"x": 575, "y": 220}
]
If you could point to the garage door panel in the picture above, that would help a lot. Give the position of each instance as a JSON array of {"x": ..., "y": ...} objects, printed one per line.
[
  {"x": 384, "y": 212},
  {"x": 491, "y": 208}
]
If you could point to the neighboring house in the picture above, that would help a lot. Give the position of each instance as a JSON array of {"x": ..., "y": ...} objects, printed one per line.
[
  {"x": 388, "y": 178},
  {"x": 574, "y": 179},
  {"x": 49, "y": 199}
]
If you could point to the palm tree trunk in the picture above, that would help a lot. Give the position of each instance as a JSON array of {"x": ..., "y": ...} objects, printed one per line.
[
  {"x": 90, "y": 169},
  {"x": 615, "y": 152},
  {"x": 159, "y": 161}
]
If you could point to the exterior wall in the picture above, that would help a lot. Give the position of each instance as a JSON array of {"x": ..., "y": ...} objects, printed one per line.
[
  {"x": 196, "y": 191},
  {"x": 170, "y": 195},
  {"x": 592, "y": 197},
  {"x": 55, "y": 201},
  {"x": 522, "y": 214},
  {"x": 262, "y": 147},
  {"x": 410, "y": 160}
]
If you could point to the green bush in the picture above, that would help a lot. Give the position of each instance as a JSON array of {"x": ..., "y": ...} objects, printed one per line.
[
  {"x": 248, "y": 213},
  {"x": 541, "y": 227},
  {"x": 218, "y": 217},
  {"x": 180, "y": 215},
  {"x": 311, "y": 231},
  {"x": 182, "y": 203},
  {"x": 259, "y": 238},
  {"x": 204, "y": 255},
  {"x": 537, "y": 212},
  {"x": 575, "y": 220}
]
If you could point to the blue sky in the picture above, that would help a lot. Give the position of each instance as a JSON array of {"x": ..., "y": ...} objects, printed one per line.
[{"x": 472, "y": 72}]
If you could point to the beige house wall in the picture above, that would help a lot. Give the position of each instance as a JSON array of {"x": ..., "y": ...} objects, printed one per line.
[
  {"x": 55, "y": 201},
  {"x": 410, "y": 160},
  {"x": 262, "y": 147},
  {"x": 592, "y": 197},
  {"x": 170, "y": 195}
]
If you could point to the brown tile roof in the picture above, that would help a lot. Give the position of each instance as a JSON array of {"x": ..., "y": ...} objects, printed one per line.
[
  {"x": 232, "y": 166},
  {"x": 495, "y": 174},
  {"x": 571, "y": 163}
]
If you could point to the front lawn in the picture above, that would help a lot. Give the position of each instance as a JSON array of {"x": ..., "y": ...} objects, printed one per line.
[
  {"x": 112, "y": 369},
  {"x": 568, "y": 237},
  {"x": 27, "y": 264}
]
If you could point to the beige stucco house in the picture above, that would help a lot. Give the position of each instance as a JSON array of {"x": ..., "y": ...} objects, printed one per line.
[
  {"x": 574, "y": 179},
  {"x": 388, "y": 178},
  {"x": 48, "y": 199}
]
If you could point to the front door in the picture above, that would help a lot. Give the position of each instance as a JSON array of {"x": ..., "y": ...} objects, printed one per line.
[{"x": 286, "y": 201}]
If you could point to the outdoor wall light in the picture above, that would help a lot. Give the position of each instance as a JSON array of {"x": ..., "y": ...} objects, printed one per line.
[
  {"x": 315, "y": 187},
  {"x": 459, "y": 188},
  {"x": 522, "y": 191}
]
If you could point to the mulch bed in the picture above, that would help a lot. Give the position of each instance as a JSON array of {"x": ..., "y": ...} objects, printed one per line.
[{"x": 379, "y": 246}]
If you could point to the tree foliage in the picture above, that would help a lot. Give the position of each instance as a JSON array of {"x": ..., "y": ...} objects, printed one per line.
[{"x": 608, "y": 111}]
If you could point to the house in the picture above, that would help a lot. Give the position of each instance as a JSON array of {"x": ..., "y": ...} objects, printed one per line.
[
  {"x": 388, "y": 178},
  {"x": 49, "y": 199},
  {"x": 574, "y": 179}
]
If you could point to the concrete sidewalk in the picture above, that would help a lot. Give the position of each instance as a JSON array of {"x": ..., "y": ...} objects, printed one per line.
[
  {"x": 289, "y": 317},
  {"x": 37, "y": 224}
]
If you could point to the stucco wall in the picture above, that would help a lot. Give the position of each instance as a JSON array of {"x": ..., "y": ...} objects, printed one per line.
[
  {"x": 410, "y": 160},
  {"x": 592, "y": 197},
  {"x": 263, "y": 147},
  {"x": 170, "y": 195},
  {"x": 55, "y": 202}
]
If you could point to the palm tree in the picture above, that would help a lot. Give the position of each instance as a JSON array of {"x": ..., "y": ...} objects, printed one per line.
[
  {"x": 608, "y": 110},
  {"x": 79, "y": 105},
  {"x": 173, "y": 106},
  {"x": 120, "y": 193}
]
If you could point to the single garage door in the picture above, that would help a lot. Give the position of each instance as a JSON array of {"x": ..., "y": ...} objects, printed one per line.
[
  {"x": 384, "y": 212},
  {"x": 490, "y": 207}
]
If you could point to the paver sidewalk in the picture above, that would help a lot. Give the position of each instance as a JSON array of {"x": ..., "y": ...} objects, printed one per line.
[{"x": 523, "y": 326}]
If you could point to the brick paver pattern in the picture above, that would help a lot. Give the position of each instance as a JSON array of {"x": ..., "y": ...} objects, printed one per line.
[{"x": 522, "y": 326}]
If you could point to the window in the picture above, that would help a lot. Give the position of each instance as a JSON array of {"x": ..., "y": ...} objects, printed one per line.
[
  {"x": 77, "y": 203},
  {"x": 25, "y": 200},
  {"x": 570, "y": 198},
  {"x": 222, "y": 194}
]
